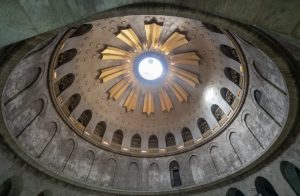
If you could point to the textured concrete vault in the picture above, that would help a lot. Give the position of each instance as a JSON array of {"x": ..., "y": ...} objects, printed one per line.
[
  {"x": 279, "y": 17},
  {"x": 220, "y": 122}
]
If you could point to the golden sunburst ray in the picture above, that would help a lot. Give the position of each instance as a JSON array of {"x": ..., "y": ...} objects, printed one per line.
[
  {"x": 174, "y": 41},
  {"x": 113, "y": 53},
  {"x": 130, "y": 38},
  {"x": 179, "y": 92},
  {"x": 131, "y": 100},
  {"x": 187, "y": 76},
  {"x": 119, "y": 88},
  {"x": 165, "y": 101},
  {"x": 113, "y": 72},
  {"x": 153, "y": 32},
  {"x": 188, "y": 58},
  {"x": 148, "y": 107}
]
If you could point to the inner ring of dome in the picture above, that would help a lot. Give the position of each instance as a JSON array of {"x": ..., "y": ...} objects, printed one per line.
[{"x": 150, "y": 66}]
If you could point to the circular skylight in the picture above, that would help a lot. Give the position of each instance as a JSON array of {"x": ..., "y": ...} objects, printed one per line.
[{"x": 150, "y": 68}]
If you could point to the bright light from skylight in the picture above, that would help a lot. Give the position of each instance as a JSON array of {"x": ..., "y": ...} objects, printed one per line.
[{"x": 150, "y": 68}]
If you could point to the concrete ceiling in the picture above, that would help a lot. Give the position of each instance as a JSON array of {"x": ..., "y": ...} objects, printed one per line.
[{"x": 22, "y": 19}]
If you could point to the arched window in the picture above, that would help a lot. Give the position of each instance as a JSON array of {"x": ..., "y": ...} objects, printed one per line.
[
  {"x": 267, "y": 105},
  {"x": 264, "y": 187},
  {"x": 136, "y": 141},
  {"x": 291, "y": 173},
  {"x": 202, "y": 125},
  {"x": 64, "y": 83},
  {"x": 228, "y": 96},
  {"x": 11, "y": 186},
  {"x": 233, "y": 76},
  {"x": 71, "y": 104},
  {"x": 170, "y": 140},
  {"x": 83, "y": 29},
  {"x": 258, "y": 96},
  {"x": 229, "y": 52},
  {"x": 212, "y": 28},
  {"x": 5, "y": 187},
  {"x": 153, "y": 142},
  {"x": 117, "y": 138},
  {"x": 175, "y": 174},
  {"x": 217, "y": 112},
  {"x": 186, "y": 134},
  {"x": 85, "y": 118},
  {"x": 234, "y": 192},
  {"x": 100, "y": 129},
  {"x": 66, "y": 56}
]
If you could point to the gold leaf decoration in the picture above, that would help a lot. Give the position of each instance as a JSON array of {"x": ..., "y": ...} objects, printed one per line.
[{"x": 125, "y": 81}]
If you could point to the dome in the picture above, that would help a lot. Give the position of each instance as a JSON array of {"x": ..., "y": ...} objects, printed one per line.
[
  {"x": 148, "y": 104},
  {"x": 201, "y": 82}
]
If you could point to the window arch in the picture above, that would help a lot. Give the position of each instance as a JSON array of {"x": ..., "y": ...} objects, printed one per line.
[
  {"x": 234, "y": 192},
  {"x": 133, "y": 176},
  {"x": 203, "y": 125},
  {"x": 258, "y": 96},
  {"x": 5, "y": 187},
  {"x": 82, "y": 29},
  {"x": 100, "y": 129},
  {"x": 175, "y": 174},
  {"x": 233, "y": 76},
  {"x": 186, "y": 134},
  {"x": 117, "y": 138},
  {"x": 66, "y": 56},
  {"x": 291, "y": 173},
  {"x": 63, "y": 83},
  {"x": 195, "y": 166},
  {"x": 228, "y": 96},
  {"x": 71, "y": 104},
  {"x": 217, "y": 112},
  {"x": 136, "y": 141},
  {"x": 11, "y": 186},
  {"x": 264, "y": 187},
  {"x": 267, "y": 105},
  {"x": 230, "y": 52},
  {"x": 154, "y": 176},
  {"x": 85, "y": 118},
  {"x": 170, "y": 140},
  {"x": 110, "y": 171},
  {"x": 153, "y": 142}
]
